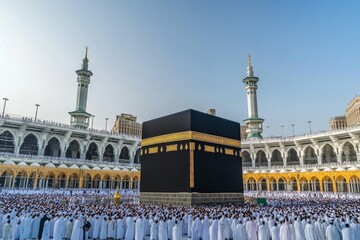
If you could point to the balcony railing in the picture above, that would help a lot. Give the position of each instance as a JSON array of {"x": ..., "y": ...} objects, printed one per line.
[{"x": 61, "y": 160}]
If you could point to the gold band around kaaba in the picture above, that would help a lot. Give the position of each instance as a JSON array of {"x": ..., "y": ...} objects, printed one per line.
[{"x": 190, "y": 135}]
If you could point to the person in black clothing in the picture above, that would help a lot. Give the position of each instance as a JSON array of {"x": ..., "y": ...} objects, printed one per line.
[{"x": 86, "y": 228}]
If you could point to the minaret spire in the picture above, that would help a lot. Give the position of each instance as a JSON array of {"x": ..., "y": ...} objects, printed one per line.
[
  {"x": 253, "y": 122},
  {"x": 79, "y": 117},
  {"x": 250, "y": 72}
]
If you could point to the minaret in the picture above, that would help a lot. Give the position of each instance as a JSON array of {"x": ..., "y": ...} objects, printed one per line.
[
  {"x": 79, "y": 117},
  {"x": 253, "y": 122}
]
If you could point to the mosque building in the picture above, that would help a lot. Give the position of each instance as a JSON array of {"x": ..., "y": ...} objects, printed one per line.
[
  {"x": 326, "y": 161},
  {"x": 43, "y": 154}
]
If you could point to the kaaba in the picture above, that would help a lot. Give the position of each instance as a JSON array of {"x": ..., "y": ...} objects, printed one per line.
[{"x": 191, "y": 158}]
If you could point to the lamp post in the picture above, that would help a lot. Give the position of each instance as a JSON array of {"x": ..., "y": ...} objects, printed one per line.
[
  {"x": 293, "y": 125},
  {"x": 92, "y": 121},
  {"x": 309, "y": 122},
  {"x": 5, "y": 100},
  {"x": 106, "y": 119},
  {"x": 268, "y": 127},
  {"x": 36, "y": 112},
  {"x": 282, "y": 126}
]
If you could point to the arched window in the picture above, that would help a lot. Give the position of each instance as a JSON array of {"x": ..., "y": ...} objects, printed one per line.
[
  {"x": 7, "y": 142},
  {"x": 310, "y": 156},
  {"x": 29, "y": 145},
  {"x": 328, "y": 155},
  {"x": 246, "y": 159},
  {"x": 73, "y": 151},
  {"x": 53, "y": 148},
  {"x": 276, "y": 158},
  {"x": 261, "y": 159},
  {"x": 293, "y": 158},
  {"x": 92, "y": 152},
  {"x": 109, "y": 154},
  {"x": 137, "y": 156},
  {"x": 125, "y": 153}
]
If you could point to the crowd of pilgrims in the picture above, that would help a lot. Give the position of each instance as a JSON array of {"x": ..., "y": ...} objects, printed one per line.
[{"x": 59, "y": 216}]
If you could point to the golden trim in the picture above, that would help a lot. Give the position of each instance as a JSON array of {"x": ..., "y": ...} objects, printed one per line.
[
  {"x": 229, "y": 151},
  {"x": 192, "y": 168},
  {"x": 191, "y": 135},
  {"x": 171, "y": 148},
  {"x": 153, "y": 150},
  {"x": 209, "y": 148}
]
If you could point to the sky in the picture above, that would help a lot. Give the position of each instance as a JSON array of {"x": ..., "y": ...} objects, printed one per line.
[{"x": 153, "y": 58}]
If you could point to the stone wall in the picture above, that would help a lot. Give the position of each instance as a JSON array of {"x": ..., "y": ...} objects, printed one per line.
[{"x": 188, "y": 199}]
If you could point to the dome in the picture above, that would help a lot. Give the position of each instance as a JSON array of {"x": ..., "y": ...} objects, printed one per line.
[
  {"x": 84, "y": 167},
  {"x": 50, "y": 165},
  {"x": 340, "y": 169},
  {"x": 9, "y": 162},
  {"x": 303, "y": 170},
  {"x": 272, "y": 171},
  {"x": 106, "y": 168},
  {"x": 282, "y": 170},
  {"x": 62, "y": 166},
  {"x": 327, "y": 169},
  {"x": 125, "y": 170},
  {"x": 315, "y": 170},
  {"x": 22, "y": 164},
  {"x": 116, "y": 169},
  {"x": 257, "y": 171},
  {"x": 96, "y": 168},
  {"x": 35, "y": 164},
  {"x": 353, "y": 168},
  {"x": 134, "y": 170},
  {"x": 263, "y": 171},
  {"x": 245, "y": 171},
  {"x": 74, "y": 166},
  {"x": 293, "y": 170}
]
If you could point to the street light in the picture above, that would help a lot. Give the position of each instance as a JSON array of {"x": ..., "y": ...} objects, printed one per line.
[
  {"x": 309, "y": 122},
  {"x": 5, "y": 100},
  {"x": 268, "y": 127},
  {"x": 92, "y": 121},
  {"x": 293, "y": 125},
  {"x": 36, "y": 112},
  {"x": 283, "y": 129},
  {"x": 106, "y": 119}
]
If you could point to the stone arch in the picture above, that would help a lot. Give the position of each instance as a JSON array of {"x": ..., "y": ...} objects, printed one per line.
[
  {"x": 292, "y": 157},
  {"x": 31, "y": 181},
  {"x": 73, "y": 181},
  {"x": 304, "y": 184},
  {"x": 348, "y": 152},
  {"x": 109, "y": 153},
  {"x": 328, "y": 154},
  {"x": 293, "y": 184},
  {"x": 137, "y": 156},
  {"x": 273, "y": 185},
  {"x": 135, "y": 182},
  {"x": 92, "y": 152},
  {"x": 125, "y": 182},
  {"x": 262, "y": 184},
  {"x": 314, "y": 184},
  {"x": 282, "y": 184},
  {"x": 117, "y": 182},
  {"x": 327, "y": 184},
  {"x": 310, "y": 155},
  {"x": 73, "y": 150},
  {"x": 30, "y": 145},
  {"x": 61, "y": 180},
  {"x": 20, "y": 180},
  {"x": 6, "y": 179},
  {"x": 50, "y": 180},
  {"x": 125, "y": 153},
  {"x": 354, "y": 184},
  {"x": 7, "y": 143},
  {"x": 251, "y": 184},
  {"x": 276, "y": 158},
  {"x": 246, "y": 159},
  {"x": 96, "y": 181},
  {"x": 341, "y": 185},
  {"x": 106, "y": 182},
  {"x": 53, "y": 147},
  {"x": 260, "y": 159},
  {"x": 87, "y": 183}
]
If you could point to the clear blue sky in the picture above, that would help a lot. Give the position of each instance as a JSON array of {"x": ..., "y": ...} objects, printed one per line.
[{"x": 152, "y": 58}]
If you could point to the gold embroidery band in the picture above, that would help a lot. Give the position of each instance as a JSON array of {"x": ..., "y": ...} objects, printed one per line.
[{"x": 191, "y": 135}]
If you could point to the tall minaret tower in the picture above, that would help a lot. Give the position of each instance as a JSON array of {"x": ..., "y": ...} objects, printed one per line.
[
  {"x": 79, "y": 117},
  {"x": 253, "y": 122}
]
